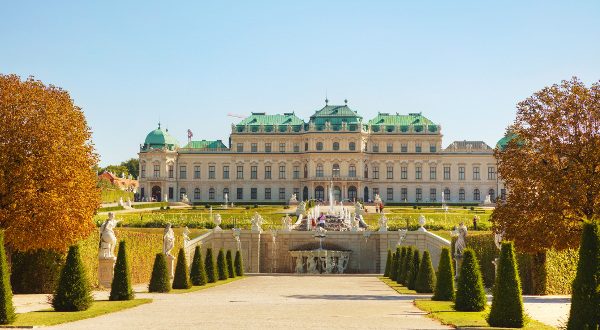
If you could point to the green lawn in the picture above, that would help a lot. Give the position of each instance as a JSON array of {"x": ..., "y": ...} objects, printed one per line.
[
  {"x": 206, "y": 286},
  {"x": 445, "y": 313},
  {"x": 398, "y": 287},
  {"x": 50, "y": 317}
]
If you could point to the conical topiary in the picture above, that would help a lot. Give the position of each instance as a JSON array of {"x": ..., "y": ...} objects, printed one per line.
[
  {"x": 197, "y": 273},
  {"x": 7, "y": 309},
  {"x": 426, "y": 276},
  {"x": 507, "y": 303},
  {"x": 222, "y": 266},
  {"x": 159, "y": 281},
  {"x": 120, "y": 288},
  {"x": 400, "y": 264},
  {"x": 73, "y": 292},
  {"x": 181, "y": 279},
  {"x": 230, "y": 269},
  {"x": 388, "y": 264},
  {"x": 406, "y": 265},
  {"x": 394, "y": 268},
  {"x": 210, "y": 267},
  {"x": 444, "y": 287},
  {"x": 239, "y": 264},
  {"x": 585, "y": 299},
  {"x": 470, "y": 296},
  {"x": 414, "y": 270}
]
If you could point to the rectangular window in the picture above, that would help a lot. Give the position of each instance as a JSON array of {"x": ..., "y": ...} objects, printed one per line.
[
  {"x": 182, "y": 172},
  {"x": 240, "y": 193},
  {"x": 268, "y": 172},
  {"x": 254, "y": 172},
  {"x": 418, "y": 147},
  {"x": 253, "y": 194},
  {"x": 446, "y": 172},
  {"x": 432, "y": 148},
  {"x": 211, "y": 194},
  {"x": 390, "y": 194},
  {"x": 254, "y": 147},
  {"x": 375, "y": 147},
  {"x": 390, "y": 172},
  {"x": 211, "y": 172},
  {"x": 197, "y": 193},
  {"x": 491, "y": 173},
  {"x": 281, "y": 193},
  {"x": 143, "y": 171},
  {"x": 171, "y": 193},
  {"x": 404, "y": 172},
  {"x": 476, "y": 175},
  {"x": 352, "y": 171},
  {"x": 375, "y": 191},
  {"x": 404, "y": 194},
  {"x": 432, "y": 194},
  {"x": 375, "y": 172},
  {"x": 390, "y": 147},
  {"x": 240, "y": 172},
  {"x": 296, "y": 172},
  {"x": 282, "y": 172},
  {"x": 296, "y": 147},
  {"x": 196, "y": 172},
  {"x": 225, "y": 172},
  {"x": 432, "y": 173},
  {"x": 282, "y": 147},
  {"x": 267, "y": 193},
  {"x": 267, "y": 147},
  {"x": 170, "y": 169},
  {"x": 319, "y": 171},
  {"x": 404, "y": 147},
  {"x": 461, "y": 195},
  {"x": 418, "y": 172},
  {"x": 240, "y": 147},
  {"x": 461, "y": 173},
  {"x": 419, "y": 194}
]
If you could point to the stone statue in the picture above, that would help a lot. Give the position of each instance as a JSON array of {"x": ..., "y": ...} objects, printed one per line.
[
  {"x": 121, "y": 201},
  {"x": 257, "y": 222},
  {"x": 461, "y": 234},
  {"x": 299, "y": 265},
  {"x": 498, "y": 239},
  {"x": 186, "y": 234},
  {"x": 185, "y": 199},
  {"x": 166, "y": 198},
  {"x": 311, "y": 265},
  {"x": 108, "y": 240},
  {"x": 168, "y": 240},
  {"x": 329, "y": 264},
  {"x": 342, "y": 263},
  {"x": 300, "y": 209},
  {"x": 355, "y": 224},
  {"x": 383, "y": 222},
  {"x": 286, "y": 223},
  {"x": 488, "y": 200},
  {"x": 358, "y": 209},
  {"x": 293, "y": 199},
  {"x": 217, "y": 220}
]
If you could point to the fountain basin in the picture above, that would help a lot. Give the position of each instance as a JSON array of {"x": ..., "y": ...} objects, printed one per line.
[{"x": 321, "y": 261}]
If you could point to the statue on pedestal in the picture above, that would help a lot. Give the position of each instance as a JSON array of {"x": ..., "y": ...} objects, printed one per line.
[
  {"x": 293, "y": 199},
  {"x": 257, "y": 222},
  {"x": 168, "y": 241},
  {"x": 461, "y": 233},
  {"x": 108, "y": 240},
  {"x": 286, "y": 223},
  {"x": 217, "y": 220},
  {"x": 383, "y": 222}
]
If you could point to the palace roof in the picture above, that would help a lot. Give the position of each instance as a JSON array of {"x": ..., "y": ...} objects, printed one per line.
[
  {"x": 468, "y": 146},
  {"x": 206, "y": 145},
  {"x": 417, "y": 120},
  {"x": 160, "y": 138}
]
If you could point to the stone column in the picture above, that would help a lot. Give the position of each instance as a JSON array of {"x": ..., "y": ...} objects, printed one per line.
[
  {"x": 171, "y": 266},
  {"x": 105, "y": 271}
]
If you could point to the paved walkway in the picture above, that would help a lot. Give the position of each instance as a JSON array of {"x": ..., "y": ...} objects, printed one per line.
[{"x": 274, "y": 302}]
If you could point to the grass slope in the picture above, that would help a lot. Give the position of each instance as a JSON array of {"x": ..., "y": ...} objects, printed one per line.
[{"x": 206, "y": 286}]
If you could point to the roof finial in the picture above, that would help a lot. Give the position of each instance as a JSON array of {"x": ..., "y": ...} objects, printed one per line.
[
  {"x": 159, "y": 124},
  {"x": 346, "y": 101},
  {"x": 326, "y": 99}
]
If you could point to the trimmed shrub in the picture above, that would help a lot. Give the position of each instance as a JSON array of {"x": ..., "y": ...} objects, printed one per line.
[
  {"x": 38, "y": 271},
  {"x": 229, "y": 260},
  {"x": 181, "y": 279},
  {"x": 120, "y": 288},
  {"x": 406, "y": 265},
  {"x": 239, "y": 264},
  {"x": 210, "y": 267},
  {"x": 159, "y": 281},
  {"x": 198, "y": 273},
  {"x": 400, "y": 264},
  {"x": 388, "y": 264},
  {"x": 585, "y": 300},
  {"x": 73, "y": 292},
  {"x": 426, "y": 276},
  {"x": 7, "y": 310},
  {"x": 470, "y": 296},
  {"x": 507, "y": 303},
  {"x": 394, "y": 268},
  {"x": 444, "y": 287},
  {"x": 414, "y": 270},
  {"x": 222, "y": 266}
]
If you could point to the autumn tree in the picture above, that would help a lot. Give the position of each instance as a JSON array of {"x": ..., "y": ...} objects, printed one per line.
[{"x": 48, "y": 192}]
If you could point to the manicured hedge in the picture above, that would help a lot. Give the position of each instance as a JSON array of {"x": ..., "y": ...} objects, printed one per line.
[
  {"x": 159, "y": 281},
  {"x": 470, "y": 294},
  {"x": 230, "y": 268},
  {"x": 149, "y": 205},
  {"x": 239, "y": 264},
  {"x": 507, "y": 302},
  {"x": 181, "y": 279},
  {"x": 120, "y": 288},
  {"x": 7, "y": 309},
  {"x": 444, "y": 287},
  {"x": 426, "y": 275},
  {"x": 73, "y": 292},
  {"x": 110, "y": 208},
  {"x": 113, "y": 195},
  {"x": 197, "y": 272},
  {"x": 222, "y": 266},
  {"x": 388, "y": 264}
]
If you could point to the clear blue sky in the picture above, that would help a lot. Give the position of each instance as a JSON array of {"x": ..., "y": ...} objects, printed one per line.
[{"x": 130, "y": 63}]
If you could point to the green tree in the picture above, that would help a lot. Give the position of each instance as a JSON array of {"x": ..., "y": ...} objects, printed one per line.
[
  {"x": 117, "y": 170},
  {"x": 73, "y": 292},
  {"x": 406, "y": 265},
  {"x": 394, "y": 270},
  {"x": 210, "y": 267},
  {"x": 159, "y": 281},
  {"x": 388, "y": 264},
  {"x": 414, "y": 270},
  {"x": 426, "y": 276},
  {"x": 507, "y": 303},
  {"x": 400, "y": 265},
  {"x": 198, "y": 273},
  {"x": 120, "y": 288},
  {"x": 239, "y": 264},
  {"x": 585, "y": 299},
  {"x": 133, "y": 167},
  {"x": 181, "y": 279},
  {"x": 444, "y": 287},
  {"x": 230, "y": 269},
  {"x": 7, "y": 310},
  {"x": 222, "y": 266},
  {"x": 470, "y": 296}
]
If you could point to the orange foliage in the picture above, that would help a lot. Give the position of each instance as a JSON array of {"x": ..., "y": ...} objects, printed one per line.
[{"x": 48, "y": 192}]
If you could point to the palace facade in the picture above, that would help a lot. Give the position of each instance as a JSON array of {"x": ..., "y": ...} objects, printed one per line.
[{"x": 270, "y": 157}]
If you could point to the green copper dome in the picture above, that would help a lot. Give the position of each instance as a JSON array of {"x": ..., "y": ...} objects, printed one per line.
[
  {"x": 159, "y": 138},
  {"x": 503, "y": 142}
]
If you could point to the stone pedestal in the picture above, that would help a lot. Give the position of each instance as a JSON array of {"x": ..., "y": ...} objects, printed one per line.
[
  {"x": 105, "y": 271},
  {"x": 171, "y": 266},
  {"x": 458, "y": 264}
]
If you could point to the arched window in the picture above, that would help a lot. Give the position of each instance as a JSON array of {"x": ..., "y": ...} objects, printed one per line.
[
  {"x": 461, "y": 194},
  {"x": 319, "y": 193},
  {"x": 226, "y": 193},
  {"x": 352, "y": 171},
  {"x": 492, "y": 194},
  {"x": 336, "y": 170},
  {"x": 181, "y": 193},
  {"x": 476, "y": 195},
  {"x": 352, "y": 146},
  {"x": 446, "y": 195},
  {"x": 319, "y": 146},
  {"x": 352, "y": 193},
  {"x": 336, "y": 146},
  {"x": 319, "y": 172},
  {"x": 211, "y": 193},
  {"x": 197, "y": 193}
]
